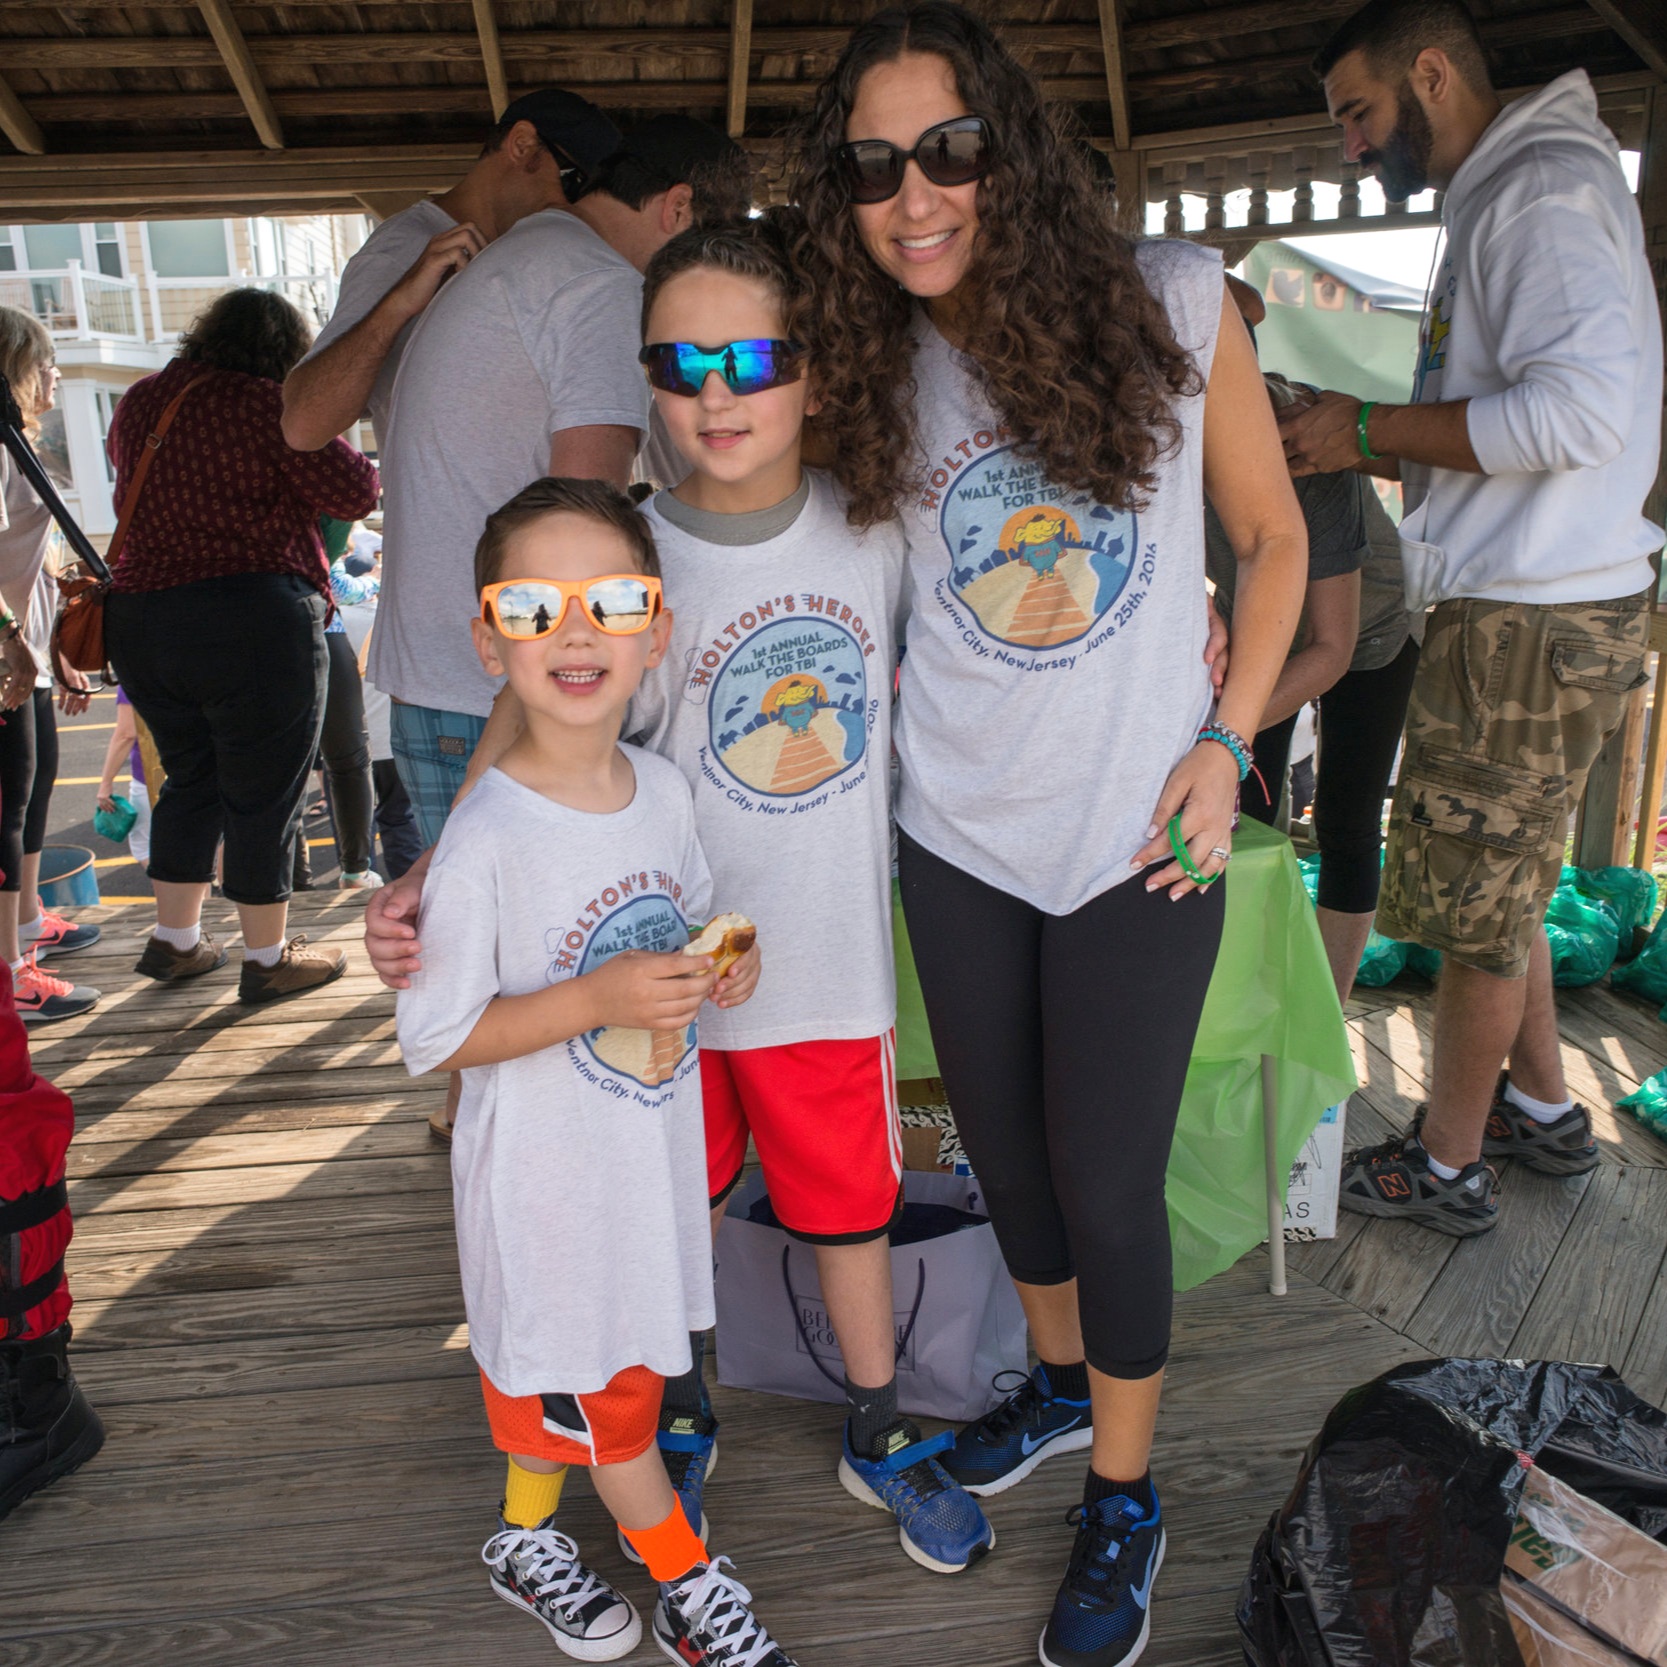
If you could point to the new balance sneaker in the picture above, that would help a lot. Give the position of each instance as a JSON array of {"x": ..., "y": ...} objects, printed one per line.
[
  {"x": 538, "y": 1570},
  {"x": 41, "y": 998},
  {"x": 939, "y": 1524},
  {"x": 58, "y": 936},
  {"x": 1564, "y": 1147},
  {"x": 1102, "y": 1613},
  {"x": 299, "y": 969},
  {"x": 1395, "y": 1180},
  {"x": 164, "y": 963},
  {"x": 688, "y": 1443},
  {"x": 1010, "y": 1440},
  {"x": 703, "y": 1620}
]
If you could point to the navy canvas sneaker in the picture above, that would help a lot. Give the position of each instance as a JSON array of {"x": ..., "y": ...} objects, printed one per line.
[
  {"x": 705, "y": 1620},
  {"x": 1102, "y": 1615},
  {"x": 938, "y": 1525},
  {"x": 538, "y": 1570},
  {"x": 688, "y": 1442},
  {"x": 1010, "y": 1440}
]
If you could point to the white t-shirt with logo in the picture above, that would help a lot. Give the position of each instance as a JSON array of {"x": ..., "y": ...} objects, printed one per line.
[
  {"x": 775, "y": 702},
  {"x": 1055, "y": 672},
  {"x": 578, "y": 1172}
]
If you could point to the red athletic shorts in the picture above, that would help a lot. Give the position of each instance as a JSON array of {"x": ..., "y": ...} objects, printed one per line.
[
  {"x": 823, "y": 1116},
  {"x": 613, "y": 1425}
]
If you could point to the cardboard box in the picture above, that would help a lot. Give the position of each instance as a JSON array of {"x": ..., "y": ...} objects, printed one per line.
[
  {"x": 1547, "y": 1637},
  {"x": 1316, "y": 1175},
  {"x": 1610, "y": 1576}
]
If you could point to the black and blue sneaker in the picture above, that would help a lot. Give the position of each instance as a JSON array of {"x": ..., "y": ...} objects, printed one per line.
[
  {"x": 1102, "y": 1615},
  {"x": 1010, "y": 1440},
  {"x": 938, "y": 1525},
  {"x": 688, "y": 1442}
]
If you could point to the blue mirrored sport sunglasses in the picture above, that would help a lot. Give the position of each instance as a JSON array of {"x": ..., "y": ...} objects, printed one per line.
[{"x": 747, "y": 367}]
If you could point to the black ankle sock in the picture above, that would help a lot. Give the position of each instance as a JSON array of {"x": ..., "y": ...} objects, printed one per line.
[
  {"x": 1096, "y": 1487},
  {"x": 687, "y": 1392},
  {"x": 1069, "y": 1383},
  {"x": 873, "y": 1412}
]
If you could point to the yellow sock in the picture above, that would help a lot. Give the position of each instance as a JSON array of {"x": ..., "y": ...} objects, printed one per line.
[{"x": 531, "y": 1495}]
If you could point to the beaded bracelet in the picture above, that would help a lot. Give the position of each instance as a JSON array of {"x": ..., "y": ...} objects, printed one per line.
[
  {"x": 1232, "y": 741},
  {"x": 1360, "y": 431}
]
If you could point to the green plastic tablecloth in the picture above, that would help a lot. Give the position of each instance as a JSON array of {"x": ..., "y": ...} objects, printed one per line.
[{"x": 1271, "y": 994}]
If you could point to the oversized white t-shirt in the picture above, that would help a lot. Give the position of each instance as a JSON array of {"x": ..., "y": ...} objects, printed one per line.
[
  {"x": 775, "y": 702},
  {"x": 1055, "y": 672},
  {"x": 578, "y": 1172},
  {"x": 537, "y": 334},
  {"x": 380, "y": 262},
  {"x": 27, "y": 585}
]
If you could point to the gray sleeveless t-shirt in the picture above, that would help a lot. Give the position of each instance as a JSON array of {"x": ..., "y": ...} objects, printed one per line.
[{"x": 1055, "y": 668}]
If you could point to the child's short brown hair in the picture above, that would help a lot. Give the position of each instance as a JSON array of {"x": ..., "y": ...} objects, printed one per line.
[
  {"x": 757, "y": 248},
  {"x": 563, "y": 494}
]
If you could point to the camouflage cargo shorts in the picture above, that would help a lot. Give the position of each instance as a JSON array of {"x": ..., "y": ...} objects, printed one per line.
[{"x": 1512, "y": 703}]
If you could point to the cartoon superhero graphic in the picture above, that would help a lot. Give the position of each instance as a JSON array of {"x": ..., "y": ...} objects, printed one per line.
[
  {"x": 1055, "y": 565},
  {"x": 789, "y": 707},
  {"x": 649, "y": 1057}
]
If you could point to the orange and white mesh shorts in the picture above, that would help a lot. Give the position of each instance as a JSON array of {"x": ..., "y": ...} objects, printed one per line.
[{"x": 616, "y": 1423}]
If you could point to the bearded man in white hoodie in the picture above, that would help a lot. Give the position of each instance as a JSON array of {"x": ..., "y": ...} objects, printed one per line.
[{"x": 1526, "y": 453}]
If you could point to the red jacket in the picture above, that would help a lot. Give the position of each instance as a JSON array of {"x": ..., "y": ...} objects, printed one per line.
[{"x": 225, "y": 494}]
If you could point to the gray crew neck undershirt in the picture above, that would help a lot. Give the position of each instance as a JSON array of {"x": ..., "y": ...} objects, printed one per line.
[{"x": 753, "y": 526}]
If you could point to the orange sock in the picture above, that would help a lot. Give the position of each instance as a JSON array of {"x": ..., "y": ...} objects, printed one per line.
[{"x": 670, "y": 1548}]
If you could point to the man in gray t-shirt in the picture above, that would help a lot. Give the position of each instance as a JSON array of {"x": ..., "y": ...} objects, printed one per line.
[{"x": 544, "y": 146}]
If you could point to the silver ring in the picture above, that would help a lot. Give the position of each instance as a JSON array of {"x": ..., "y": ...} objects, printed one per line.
[{"x": 1218, "y": 851}]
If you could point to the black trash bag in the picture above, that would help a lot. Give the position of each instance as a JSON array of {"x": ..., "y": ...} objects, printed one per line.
[{"x": 1390, "y": 1549}]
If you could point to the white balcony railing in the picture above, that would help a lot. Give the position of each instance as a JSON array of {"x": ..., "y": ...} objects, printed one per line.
[{"x": 76, "y": 304}]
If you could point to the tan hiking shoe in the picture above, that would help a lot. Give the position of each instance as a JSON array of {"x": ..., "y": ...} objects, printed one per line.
[
  {"x": 165, "y": 963},
  {"x": 299, "y": 969}
]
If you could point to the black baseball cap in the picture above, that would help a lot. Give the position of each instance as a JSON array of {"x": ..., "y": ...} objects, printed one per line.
[
  {"x": 581, "y": 137},
  {"x": 673, "y": 147}
]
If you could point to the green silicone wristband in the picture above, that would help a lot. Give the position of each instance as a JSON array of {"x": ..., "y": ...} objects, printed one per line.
[
  {"x": 1184, "y": 857},
  {"x": 1360, "y": 431}
]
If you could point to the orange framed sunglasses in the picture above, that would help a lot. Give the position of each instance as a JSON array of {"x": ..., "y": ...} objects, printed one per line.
[{"x": 620, "y": 604}]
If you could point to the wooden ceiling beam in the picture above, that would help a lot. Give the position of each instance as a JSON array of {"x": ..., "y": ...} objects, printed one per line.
[
  {"x": 18, "y": 125},
  {"x": 240, "y": 66},
  {"x": 1642, "y": 24},
  {"x": 1117, "y": 82},
  {"x": 740, "y": 61},
  {"x": 491, "y": 52}
]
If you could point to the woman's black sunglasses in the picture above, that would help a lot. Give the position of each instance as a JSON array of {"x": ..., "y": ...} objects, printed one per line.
[{"x": 952, "y": 153}]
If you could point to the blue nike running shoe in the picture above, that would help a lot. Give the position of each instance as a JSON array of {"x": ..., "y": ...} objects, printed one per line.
[
  {"x": 1102, "y": 1615},
  {"x": 688, "y": 1443},
  {"x": 938, "y": 1525},
  {"x": 1010, "y": 1440}
]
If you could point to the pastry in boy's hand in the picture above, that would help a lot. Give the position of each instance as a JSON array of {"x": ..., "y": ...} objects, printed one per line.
[{"x": 726, "y": 939}]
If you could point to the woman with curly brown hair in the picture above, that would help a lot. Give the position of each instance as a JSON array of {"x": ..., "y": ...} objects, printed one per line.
[
  {"x": 1044, "y": 403},
  {"x": 215, "y": 627}
]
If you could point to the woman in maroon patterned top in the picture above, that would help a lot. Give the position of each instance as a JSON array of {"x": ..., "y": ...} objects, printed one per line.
[{"x": 215, "y": 627}]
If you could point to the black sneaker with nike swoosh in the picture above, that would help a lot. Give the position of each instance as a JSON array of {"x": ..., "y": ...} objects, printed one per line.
[
  {"x": 1009, "y": 1441},
  {"x": 1102, "y": 1613}
]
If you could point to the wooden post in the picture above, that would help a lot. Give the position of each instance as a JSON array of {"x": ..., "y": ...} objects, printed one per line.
[
  {"x": 740, "y": 58},
  {"x": 1129, "y": 169},
  {"x": 492, "y": 55},
  {"x": 1117, "y": 87},
  {"x": 240, "y": 66},
  {"x": 18, "y": 125},
  {"x": 1655, "y": 768}
]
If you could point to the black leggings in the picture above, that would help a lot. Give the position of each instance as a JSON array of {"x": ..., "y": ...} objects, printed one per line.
[
  {"x": 345, "y": 746},
  {"x": 1063, "y": 1043},
  {"x": 1361, "y": 717},
  {"x": 28, "y": 768}
]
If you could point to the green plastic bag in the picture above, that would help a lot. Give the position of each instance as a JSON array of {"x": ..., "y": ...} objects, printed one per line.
[
  {"x": 1383, "y": 959},
  {"x": 1648, "y": 1103},
  {"x": 115, "y": 824},
  {"x": 1584, "y": 931},
  {"x": 1646, "y": 973},
  {"x": 1631, "y": 891}
]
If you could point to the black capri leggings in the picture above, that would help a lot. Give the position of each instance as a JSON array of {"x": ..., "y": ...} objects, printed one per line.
[
  {"x": 1063, "y": 1043},
  {"x": 346, "y": 749},
  {"x": 28, "y": 769},
  {"x": 1361, "y": 718}
]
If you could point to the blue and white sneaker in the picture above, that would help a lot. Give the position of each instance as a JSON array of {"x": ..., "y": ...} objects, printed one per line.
[
  {"x": 688, "y": 1443},
  {"x": 1102, "y": 1615},
  {"x": 938, "y": 1524},
  {"x": 1010, "y": 1440}
]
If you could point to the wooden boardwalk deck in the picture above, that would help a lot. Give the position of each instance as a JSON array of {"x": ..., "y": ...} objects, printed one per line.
[{"x": 298, "y": 1473}]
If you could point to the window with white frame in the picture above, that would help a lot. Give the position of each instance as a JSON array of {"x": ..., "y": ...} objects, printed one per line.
[
  {"x": 8, "y": 250},
  {"x": 51, "y": 248},
  {"x": 104, "y": 400},
  {"x": 189, "y": 249},
  {"x": 107, "y": 248}
]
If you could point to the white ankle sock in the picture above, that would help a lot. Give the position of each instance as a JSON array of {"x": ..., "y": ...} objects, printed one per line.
[
  {"x": 16, "y": 966},
  {"x": 180, "y": 937},
  {"x": 1444, "y": 1171},
  {"x": 1542, "y": 1111},
  {"x": 27, "y": 929},
  {"x": 268, "y": 957}
]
